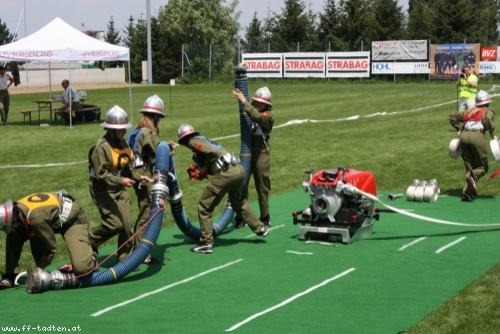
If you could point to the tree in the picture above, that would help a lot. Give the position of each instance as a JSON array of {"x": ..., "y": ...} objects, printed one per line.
[
  {"x": 294, "y": 25},
  {"x": 254, "y": 37},
  {"x": 199, "y": 24},
  {"x": 357, "y": 23},
  {"x": 390, "y": 20},
  {"x": 329, "y": 23},
  {"x": 112, "y": 37},
  {"x": 421, "y": 22},
  {"x": 5, "y": 36}
]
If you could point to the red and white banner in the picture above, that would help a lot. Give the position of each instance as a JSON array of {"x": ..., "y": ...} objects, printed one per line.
[
  {"x": 489, "y": 53},
  {"x": 304, "y": 65},
  {"x": 399, "y": 50},
  {"x": 348, "y": 65},
  {"x": 263, "y": 65}
]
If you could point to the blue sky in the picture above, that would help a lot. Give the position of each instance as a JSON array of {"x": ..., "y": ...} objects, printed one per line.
[{"x": 95, "y": 14}]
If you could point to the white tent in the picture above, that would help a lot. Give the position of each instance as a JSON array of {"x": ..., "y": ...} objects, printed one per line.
[{"x": 58, "y": 41}]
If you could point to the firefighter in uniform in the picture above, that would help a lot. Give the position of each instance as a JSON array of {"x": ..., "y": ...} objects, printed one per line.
[
  {"x": 37, "y": 217},
  {"x": 262, "y": 124},
  {"x": 475, "y": 122},
  {"x": 143, "y": 140},
  {"x": 228, "y": 174},
  {"x": 109, "y": 169},
  {"x": 467, "y": 87}
]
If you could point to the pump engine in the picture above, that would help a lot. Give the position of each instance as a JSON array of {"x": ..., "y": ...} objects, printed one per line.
[{"x": 337, "y": 211}]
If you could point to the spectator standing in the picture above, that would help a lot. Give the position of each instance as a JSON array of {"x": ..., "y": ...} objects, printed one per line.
[
  {"x": 467, "y": 87},
  {"x": 6, "y": 80}
]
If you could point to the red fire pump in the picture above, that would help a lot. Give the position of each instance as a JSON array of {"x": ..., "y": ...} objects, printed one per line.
[{"x": 338, "y": 212}]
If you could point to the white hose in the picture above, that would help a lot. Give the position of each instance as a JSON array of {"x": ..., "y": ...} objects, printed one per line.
[{"x": 355, "y": 190}]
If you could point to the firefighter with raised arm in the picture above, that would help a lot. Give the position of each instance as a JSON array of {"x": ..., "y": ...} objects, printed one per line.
[{"x": 262, "y": 116}]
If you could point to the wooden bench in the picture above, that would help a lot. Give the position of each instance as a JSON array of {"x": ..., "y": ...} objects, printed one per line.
[
  {"x": 81, "y": 110},
  {"x": 27, "y": 112}
]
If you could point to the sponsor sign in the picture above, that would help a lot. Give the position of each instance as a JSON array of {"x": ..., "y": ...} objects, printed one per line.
[
  {"x": 303, "y": 65},
  {"x": 263, "y": 65},
  {"x": 347, "y": 64},
  {"x": 399, "y": 50},
  {"x": 447, "y": 60},
  {"x": 490, "y": 67},
  {"x": 400, "y": 68},
  {"x": 489, "y": 53}
]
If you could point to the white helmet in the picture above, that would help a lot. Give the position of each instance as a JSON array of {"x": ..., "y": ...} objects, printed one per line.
[
  {"x": 482, "y": 98},
  {"x": 6, "y": 216},
  {"x": 263, "y": 95},
  {"x": 116, "y": 118},
  {"x": 153, "y": 105},
  {"x": 185, "y": 130}
]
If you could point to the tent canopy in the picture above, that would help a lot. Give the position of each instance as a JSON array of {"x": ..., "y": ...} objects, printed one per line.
[{"x": 58, "y": 41}]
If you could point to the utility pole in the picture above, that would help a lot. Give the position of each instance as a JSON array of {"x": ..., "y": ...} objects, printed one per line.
[{"x": 150, "y": 66}]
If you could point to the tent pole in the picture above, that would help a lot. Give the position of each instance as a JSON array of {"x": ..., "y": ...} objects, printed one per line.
[
  {"x": 130, "y": 93},
  {"x": 50, "y": 84},
  {"x": 70, "y": 99}
]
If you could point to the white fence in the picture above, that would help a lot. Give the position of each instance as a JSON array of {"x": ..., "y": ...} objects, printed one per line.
[{"x": 41, "y": 78}]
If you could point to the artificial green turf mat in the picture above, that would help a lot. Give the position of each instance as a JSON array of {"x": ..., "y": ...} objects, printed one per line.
[{"x": 388, "y": 290}]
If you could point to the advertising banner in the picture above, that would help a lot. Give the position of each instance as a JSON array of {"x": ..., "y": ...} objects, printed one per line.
[
  {"x": 263, "y": 65},
  {"x": 348, "y": 64},
  {"x": 489, "y": 67},
  {"x": 400, "y": 68},
  {"x": 447, "y": 60},
  {"x": 399, "y": 50},
  {"x": 489, "y": 53},
  {"x": 304, "y": 65}
]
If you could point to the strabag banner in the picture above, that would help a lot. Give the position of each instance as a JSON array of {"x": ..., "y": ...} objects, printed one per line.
[
  {"x": 263, "y": 65},
  {"x": 348, "y": 64},
  {"x": 447, "y": 60},
  {"x": 400, "y": 68},
  {"x": 399, "y": 50},
  {"x": 307, "y": 64}
]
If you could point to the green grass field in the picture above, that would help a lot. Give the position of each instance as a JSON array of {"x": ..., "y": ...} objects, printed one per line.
[{"x": 399, "y": 132}]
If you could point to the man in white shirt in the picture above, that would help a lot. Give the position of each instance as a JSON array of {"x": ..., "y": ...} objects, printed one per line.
[
  {"x": 70, "y": 98},
  {"x": 6, "y": 81}
]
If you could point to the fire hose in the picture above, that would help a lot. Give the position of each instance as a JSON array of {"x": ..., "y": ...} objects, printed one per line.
[
  {"x": 354, "y": 190},
  {"x": 226, "y": 216},
  {"x": 38, "y": 281}
]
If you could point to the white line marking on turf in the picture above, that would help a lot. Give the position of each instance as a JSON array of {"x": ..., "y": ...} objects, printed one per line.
[
  {"x": 164, "y": 288},
  {"x": 46, "y": 165},
  {"x": 299, "y": 253},
  {"x": 269, "y": 229},
  {"x": 412, "y": 243},
  {"x": 449, "y": 245},
  {"x": 289, "y": 300}
]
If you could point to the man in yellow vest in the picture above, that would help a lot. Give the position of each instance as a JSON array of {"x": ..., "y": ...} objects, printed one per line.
[{"x": 467, "y": 86}]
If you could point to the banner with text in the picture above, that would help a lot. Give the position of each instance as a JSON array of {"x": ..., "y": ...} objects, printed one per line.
[
  {"x": 490, "y": 53},
  {"x": 304, "y": 65},
  {"x": 447, "y": 60},
  {"x": 399, "y": 50},
  {"x": 489, "y": 67},
  {"x": 400, "y": 68},
  {"x": 348, "y": 64},
  {"x": 263, "y": 65}
]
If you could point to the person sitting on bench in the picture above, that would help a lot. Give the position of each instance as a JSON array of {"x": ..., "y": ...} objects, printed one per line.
[{"x": 70, "y": 99}]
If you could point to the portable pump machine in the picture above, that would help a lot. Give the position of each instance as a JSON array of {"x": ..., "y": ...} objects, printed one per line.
[{"x": 338, "y": 212}]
